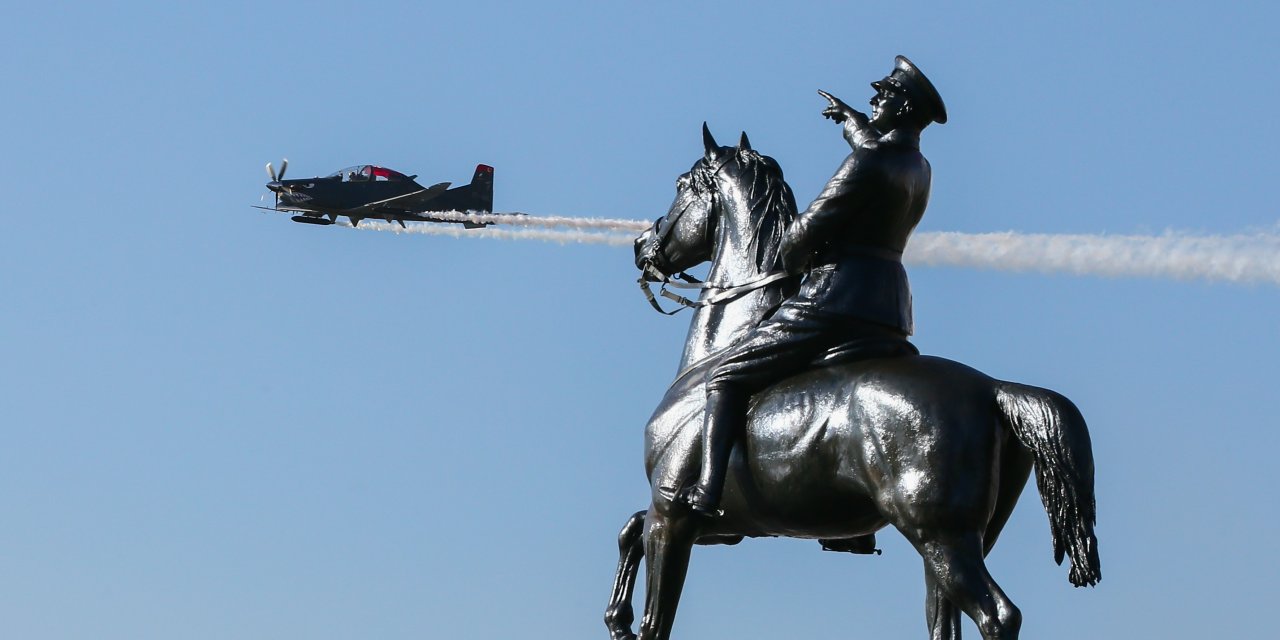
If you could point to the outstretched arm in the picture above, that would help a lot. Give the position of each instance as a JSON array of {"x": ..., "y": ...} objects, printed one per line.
[{"x": 857, "y": 126}]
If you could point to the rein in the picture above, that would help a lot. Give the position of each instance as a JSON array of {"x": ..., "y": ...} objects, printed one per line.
[{"x": 717, "y": 294}]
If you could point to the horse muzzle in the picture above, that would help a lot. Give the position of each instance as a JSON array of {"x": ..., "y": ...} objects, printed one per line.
[{"x": 648, "y": 255}]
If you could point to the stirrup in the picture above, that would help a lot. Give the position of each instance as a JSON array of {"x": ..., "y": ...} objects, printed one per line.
[{"x": 695, "y": 498}]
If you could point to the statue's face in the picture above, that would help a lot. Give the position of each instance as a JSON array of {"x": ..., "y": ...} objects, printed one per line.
[{"x": 888, "y": 105}]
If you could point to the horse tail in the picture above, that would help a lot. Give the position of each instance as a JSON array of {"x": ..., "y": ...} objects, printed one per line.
[{"x": 1051, "y": 426}]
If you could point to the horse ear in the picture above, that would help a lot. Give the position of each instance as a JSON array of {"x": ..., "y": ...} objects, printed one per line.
[
  {"x": 744, "y": 144},
  {"x": 709, "y": 143}
]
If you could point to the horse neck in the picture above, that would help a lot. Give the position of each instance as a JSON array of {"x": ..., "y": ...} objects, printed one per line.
[{"x": 733, "y": 262}]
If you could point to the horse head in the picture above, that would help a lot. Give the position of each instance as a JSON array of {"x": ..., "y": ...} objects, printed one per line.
[{"x": 730, "y": 208}]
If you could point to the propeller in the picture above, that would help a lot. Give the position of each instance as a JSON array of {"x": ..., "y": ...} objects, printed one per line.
[
  {"x": 275, "y": 185},
  {"x": 284, "y": 164}
]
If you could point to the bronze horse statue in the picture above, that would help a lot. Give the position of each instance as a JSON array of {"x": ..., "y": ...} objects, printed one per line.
[{"x": 935, "y": 448}]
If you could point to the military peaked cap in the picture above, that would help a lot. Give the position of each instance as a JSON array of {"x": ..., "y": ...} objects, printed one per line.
[{"x": 919, "y": 89}]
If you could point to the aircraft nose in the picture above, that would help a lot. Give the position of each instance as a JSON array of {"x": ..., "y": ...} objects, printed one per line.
[{"x": 275, "y": 186}]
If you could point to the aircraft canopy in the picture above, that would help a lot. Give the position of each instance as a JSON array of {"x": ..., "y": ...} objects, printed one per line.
[{"x": 367, "y": 172}]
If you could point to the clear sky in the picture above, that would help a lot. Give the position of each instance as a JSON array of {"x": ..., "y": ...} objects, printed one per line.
[{"x": 220, "y": 424}]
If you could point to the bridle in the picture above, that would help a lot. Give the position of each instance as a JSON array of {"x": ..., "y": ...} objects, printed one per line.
[{"x": 714, "y": 294}]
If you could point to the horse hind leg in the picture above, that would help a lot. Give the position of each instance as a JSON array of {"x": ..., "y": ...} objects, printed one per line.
[
  {"x": 942, "y": 615},
  {"x": 619, "y": 615},
  {"x": 668, "y": 541},
  {"x": 1015, "y": 468},
  {"x": 960, "y": 574}
]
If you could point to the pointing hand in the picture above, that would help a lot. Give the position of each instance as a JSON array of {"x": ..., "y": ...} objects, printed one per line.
[{"x": 837, "y": 110}]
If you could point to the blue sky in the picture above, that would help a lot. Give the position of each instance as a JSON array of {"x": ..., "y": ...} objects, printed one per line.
[{"x": 219, "y": 424}]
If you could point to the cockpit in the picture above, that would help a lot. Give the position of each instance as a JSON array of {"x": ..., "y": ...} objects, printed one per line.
[{"x": 368, "y": 173}]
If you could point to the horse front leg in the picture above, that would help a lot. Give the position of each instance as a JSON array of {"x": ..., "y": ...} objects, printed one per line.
[
  {"x": 619, "y": 615},
  {"x": 668, "y": 541}
]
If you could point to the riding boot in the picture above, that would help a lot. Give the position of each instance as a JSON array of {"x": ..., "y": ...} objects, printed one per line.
[{"x": 725, "y": 414}]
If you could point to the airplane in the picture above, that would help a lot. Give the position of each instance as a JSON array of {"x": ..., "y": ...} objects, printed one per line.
[{"x": 372, "y": 192}]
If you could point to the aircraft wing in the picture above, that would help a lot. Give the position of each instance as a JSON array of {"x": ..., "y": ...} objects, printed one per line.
[
  {"x": 422, "y": 195},
  {"x": 287, "y": 209},
  {"x": 368, "y": 208}
]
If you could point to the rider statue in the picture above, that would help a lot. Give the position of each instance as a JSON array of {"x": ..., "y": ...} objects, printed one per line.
[{"x": 854, "y": 301}]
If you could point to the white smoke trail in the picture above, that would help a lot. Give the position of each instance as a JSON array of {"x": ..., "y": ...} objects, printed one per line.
[
  {"x": 517, "y": 219},
  {"x": 1235, "y": 258},
  {"x": 550, "y": 235}
]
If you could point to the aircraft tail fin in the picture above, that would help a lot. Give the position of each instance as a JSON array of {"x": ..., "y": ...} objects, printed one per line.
[
  {"x": 476, "y": 196},
  {"x": 482, "y": 188},
  {"x": 479, "y": 194}
]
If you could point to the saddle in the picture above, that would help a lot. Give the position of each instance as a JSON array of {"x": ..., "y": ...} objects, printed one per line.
[{"x": 865, "y": 348}]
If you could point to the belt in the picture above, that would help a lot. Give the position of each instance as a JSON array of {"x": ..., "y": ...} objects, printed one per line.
[{"x": 862, "y": 250}]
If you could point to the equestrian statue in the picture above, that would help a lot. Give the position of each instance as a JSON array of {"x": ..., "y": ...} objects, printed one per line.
[{"x": 801, "y": 409}]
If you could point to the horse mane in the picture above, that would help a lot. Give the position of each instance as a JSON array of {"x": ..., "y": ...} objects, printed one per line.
[{"x": 770, "y": 202}]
